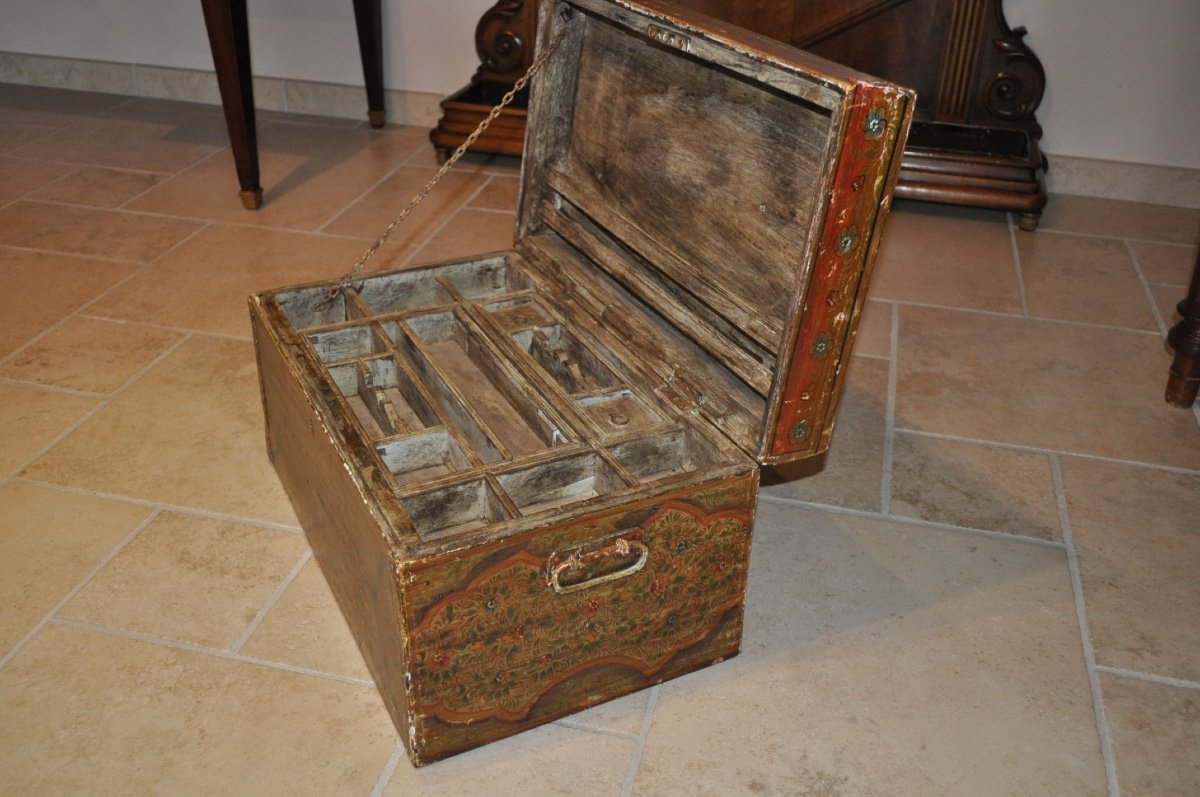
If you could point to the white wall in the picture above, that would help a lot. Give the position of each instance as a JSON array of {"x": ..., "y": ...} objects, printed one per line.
[
  {"x": 429, "y": 44},
  {"x": 1121, "y": 75}
]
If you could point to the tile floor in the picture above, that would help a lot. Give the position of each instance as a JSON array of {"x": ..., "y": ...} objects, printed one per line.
[{"x": 987, "y": 588}]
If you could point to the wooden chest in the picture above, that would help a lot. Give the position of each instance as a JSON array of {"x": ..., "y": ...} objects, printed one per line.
[{"x": 530, "y": 477}]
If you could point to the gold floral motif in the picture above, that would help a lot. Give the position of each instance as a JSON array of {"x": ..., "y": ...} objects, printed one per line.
[{"x": 496, "y": 646}]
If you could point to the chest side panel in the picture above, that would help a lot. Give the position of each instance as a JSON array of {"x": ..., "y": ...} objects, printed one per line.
[{"x": 496, "y": 647}]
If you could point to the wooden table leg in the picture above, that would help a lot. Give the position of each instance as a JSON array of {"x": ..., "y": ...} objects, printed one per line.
[
  {"x": 1184, "y": 338},
  {"x": 368, "y": 20},
  {"x": 229, "y": 38}
]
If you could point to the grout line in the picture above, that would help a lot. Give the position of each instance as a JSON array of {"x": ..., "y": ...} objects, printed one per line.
[
  {"x": 883, "y": 358},
  {"x": 101, "y": 404},
  {"x": 177, "y": 509},
  {"x": 635, "y": 760},
  {"x": 1085, "y": 634},
  {"x": 355, "y": 200},
  {"x": 81, "y": 165},
  {"x": 271, "y": 601},
  {"x": 912, "y": 521},
  {"x": 176, "y": 644},
  {"x": 585, "y": 728},
  {"x": 66, "y": 391},
  {"x": 448, "y": 218},
  {"x": 889, "y": 415},
  {"x": 167, "y": 328},
  {"x": 998, "y": 314},
  {"x": 1137, "y": 268},
  {"x": 389, "y": 769},
  {"x": 39, "y": 251},
  {"x": 495, "y": 211},
  {"x": 1113, "y": 237},
  {"x": 1062, "y": 452},
  {"x": 121, "y": 210},
  {"x": 1018, "y": 272},
  {"x": 78, "y": 587},
  {"x": 1163, "y": 680}
]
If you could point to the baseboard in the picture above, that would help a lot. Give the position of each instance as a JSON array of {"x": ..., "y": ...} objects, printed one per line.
[
  {"x": 1138, "y": 182},
  {"x": 1135, "y": 182},
  {"x": 195, "y": 85}
]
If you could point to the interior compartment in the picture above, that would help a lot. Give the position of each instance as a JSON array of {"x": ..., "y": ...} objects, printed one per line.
[
  {"x": 662, "y": 455},
  {"x": 617, "y": 411},
  {"x": 572, "y": 364},
  {"x": 384, "y": 398},
  {"x": 423, "y": 289},
  {"x": 518, "y": 313},
  {"x": 479, "y": 379},
  {"x": 344, "y": 343},
  {"x": 421, "y": 457},
  {"x": 456, "y": 508},
  {"x": 561, "y": 482}
]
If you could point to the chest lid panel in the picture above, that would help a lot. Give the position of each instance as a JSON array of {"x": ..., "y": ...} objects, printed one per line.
[{"x": 728, "y": 186}]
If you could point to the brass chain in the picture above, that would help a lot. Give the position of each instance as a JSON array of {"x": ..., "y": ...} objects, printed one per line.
[{"x": 521, "y": 82}]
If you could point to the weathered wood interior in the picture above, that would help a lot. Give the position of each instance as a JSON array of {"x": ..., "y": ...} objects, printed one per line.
[{"x": 484, "y": 402}]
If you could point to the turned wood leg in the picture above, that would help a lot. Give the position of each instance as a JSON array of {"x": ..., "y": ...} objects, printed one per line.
[
  {"x": 229, "y": 38},
  {"x": 368, "y": 19},
  {"x": 1029, "y": 221},
  {"x": 1184, "y": 338}
]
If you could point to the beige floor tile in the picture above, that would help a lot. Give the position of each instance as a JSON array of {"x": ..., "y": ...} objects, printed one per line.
[
  {"x": 189, "y": 432},
  {"x": 1156, "y": 736},
  {"x": 30, "y": 419},
  {"x": 975, "y": 486},
  {"x": 500, "y": 193},
  {"x": 87, "y": 713},
  {"x": 99, "y": 187},
  {"x": 38, "y": 290},
  {"x": 468, "y": 233},
  {"x": 1167, "y": 299},
  {"x": 1042, "y": 384},
  {"x": 1080, "y": 278},
  {"x": 1168, "y": 264},
  {"x": 91, "y": 231},
  {"x": 1135, "y": 531},
  {"x": 50, "y": 540},
  {"x": 368, "y": 217},
  {"x": 308, "y": 175},
  {"x": 19, "y": 176},
  {"x": 89, "y": 354},
  {"x": 883, "y": 659},
  {"x": 874, "y": 336},
  {"x": 305, "y": 628},
  {"x": 624, "y": 715},
  {"x": 1120, "y": 219},
  {"x": 955, "y": 257},
  {"x": 165, "y": 140},
  {"x": 850, "y": 474},
  {"x": 13, "y": 136},
  {"x": 35, "y": 105},
  {"x": 549, "y": 760},
  {"x": 189, "y": 578},
  {"x": 204, "y": 283}
]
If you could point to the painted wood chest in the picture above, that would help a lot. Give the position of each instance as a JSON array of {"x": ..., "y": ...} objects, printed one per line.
[{"x": 530, "y": 476}]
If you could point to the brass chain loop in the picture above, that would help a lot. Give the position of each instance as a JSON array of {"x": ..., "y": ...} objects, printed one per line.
[{"x": 507, "y": 99}]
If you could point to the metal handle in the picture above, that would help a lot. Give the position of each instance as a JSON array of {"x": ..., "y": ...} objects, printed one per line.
[{"x": 620, "y": 548}]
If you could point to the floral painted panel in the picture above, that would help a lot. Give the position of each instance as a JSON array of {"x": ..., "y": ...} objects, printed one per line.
[{"x": 504, "y": 640}]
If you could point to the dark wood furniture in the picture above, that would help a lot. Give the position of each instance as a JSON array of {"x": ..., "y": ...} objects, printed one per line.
[
  {"x": 229, "y": 38},
  {"x": 504, "y": 41},
  {"x": 975, "y": 141},
  {"x": 1184, "y": 338}
]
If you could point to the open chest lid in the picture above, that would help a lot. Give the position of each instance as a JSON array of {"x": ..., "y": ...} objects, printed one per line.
[{"x": 714, "y": 200}]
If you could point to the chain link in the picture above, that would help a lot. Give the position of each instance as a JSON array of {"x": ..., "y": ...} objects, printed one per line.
[{"x": 507, "y": 99}]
